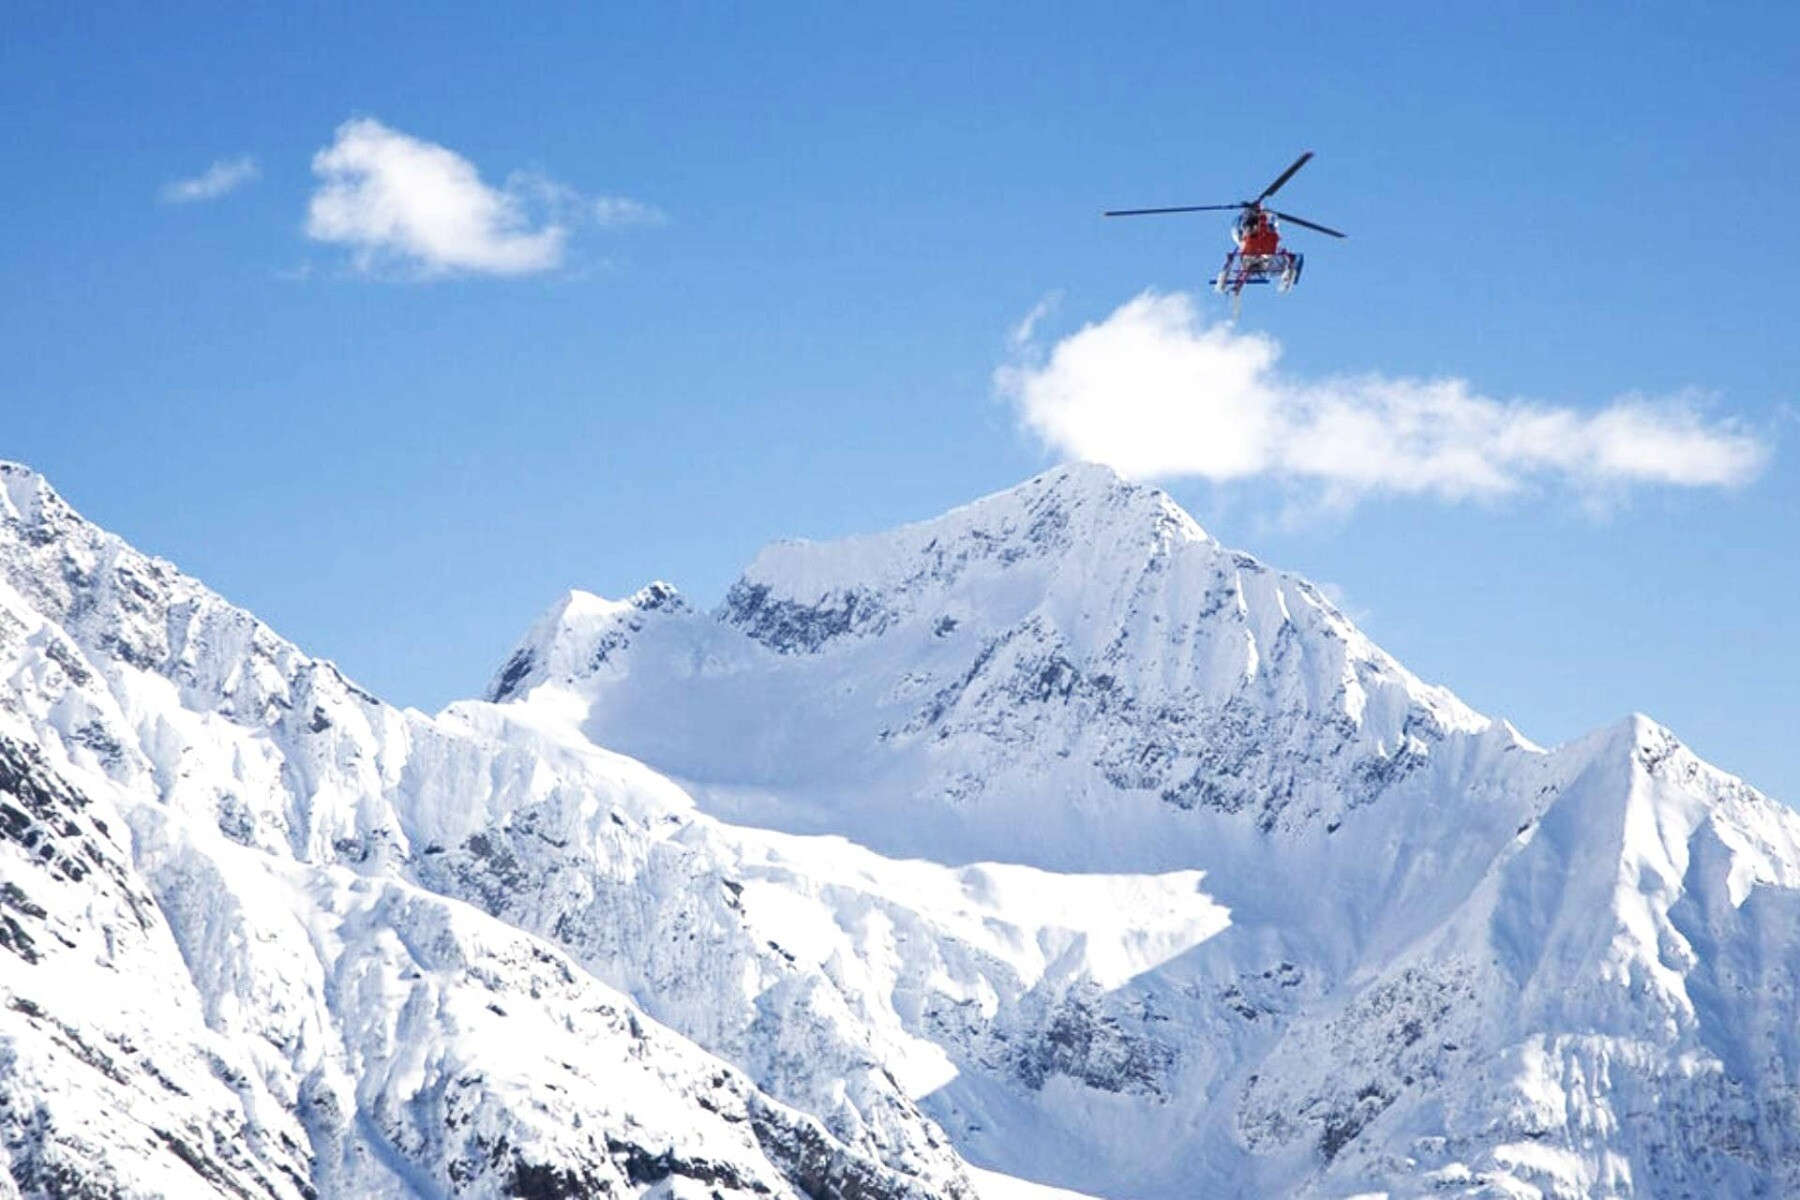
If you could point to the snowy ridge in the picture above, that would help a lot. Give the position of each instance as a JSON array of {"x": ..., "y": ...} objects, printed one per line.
[
  {"x": 352, "y": 1038},
  {"x": 1048, "y": 832},
  {"x": 1073, "y": 674},
  {"x": 273, "y": 810},
  {"x": 932, "y": 674},
  {"x": 575, "y": 636}
]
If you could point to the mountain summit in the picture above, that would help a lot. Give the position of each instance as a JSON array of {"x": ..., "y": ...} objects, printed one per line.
[
  {"x": 1050, "y": 674},
  {"x": 1047, "y": 835}
]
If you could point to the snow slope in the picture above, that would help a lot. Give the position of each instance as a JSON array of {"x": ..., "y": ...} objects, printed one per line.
[
  {"x": 221, "y": 979},
  {"x": 1048, "y": 833},
  {"x": 928, "y": 685},
  {"x": 1454, "y": 961}
]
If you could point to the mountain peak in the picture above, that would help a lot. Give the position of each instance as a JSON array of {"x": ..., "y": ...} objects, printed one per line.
[
  {"x": 1635, "y": 736},
  {"x": 1075, "y": 481},
  {"x": 1099, "y": 494},
  {"x": 1322, "y": 927},
  {"x": 1091, "y": 492},
  {"x": 27, "y": 497},
  {"x": 577, "y": 634},
  {"x": 1080, "y": 521},
  {"x": 1077, "y": 619}
]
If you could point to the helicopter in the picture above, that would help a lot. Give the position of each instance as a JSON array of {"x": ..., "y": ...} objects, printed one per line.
[{"x": 1259, "y": 256}]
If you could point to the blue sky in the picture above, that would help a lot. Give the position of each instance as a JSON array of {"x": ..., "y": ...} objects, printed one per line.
[{"x": 400, "y": 468}]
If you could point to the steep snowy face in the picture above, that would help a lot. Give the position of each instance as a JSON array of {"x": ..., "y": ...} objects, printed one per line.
[
  {"x": 219, "y": 1021},
  {"x": 576, "y": 635},
  {"x": 129, "y": 610},
  {"x": 109, "y": 1077},
  {"x": 223, "y": 718},
  {"x": 203, "y": 820},
  {"x": 1332, "y": 933},
  {"x": 1604, "y": 1015},
  {"x": 1451, "y": 962},
  {"x": 1070, "y": 658}
]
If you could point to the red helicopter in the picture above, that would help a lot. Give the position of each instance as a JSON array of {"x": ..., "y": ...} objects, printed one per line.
[{"x": 1260, "y": 256}]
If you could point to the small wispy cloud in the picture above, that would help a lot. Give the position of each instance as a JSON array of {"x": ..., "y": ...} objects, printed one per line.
[
  {"x": 400, "y": 203},
  {"x": 619, "y": 212},
  {"x": 226, "y": 175},
  {"x": 570, "y": 206},
  {"x": 1020, "y": 336},
  {"x": 1156, "y": 391}
]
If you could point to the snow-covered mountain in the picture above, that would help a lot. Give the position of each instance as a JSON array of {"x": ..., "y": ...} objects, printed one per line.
[
  {"x": 1048, "y": 834},
  {"x": 224, "y": 976}
]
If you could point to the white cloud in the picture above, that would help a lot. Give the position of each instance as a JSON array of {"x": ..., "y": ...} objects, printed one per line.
[
  {"x": 226, "y": 175},
  {"x": 1157, "y": 392},
  {"x": 395, "y": 199},
  {"x": 401, "y": 202}
]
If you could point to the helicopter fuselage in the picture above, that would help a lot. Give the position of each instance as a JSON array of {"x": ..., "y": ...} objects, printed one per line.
[{"x": 1256, "y": 234}]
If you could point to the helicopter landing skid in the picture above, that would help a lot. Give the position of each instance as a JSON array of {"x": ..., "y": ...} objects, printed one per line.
[{"x": 1281, "y": 268}]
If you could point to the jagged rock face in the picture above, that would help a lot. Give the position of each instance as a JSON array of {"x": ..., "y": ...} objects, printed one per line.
[
  {"x": 1269, "y": 915},
  {"x": 332, "y": 1036},
  {"x": 112, "y": 1084},
  {"x": 196, "y": 815},
  {"x": 1077, "y": 632},
  {"x": 1072, "y": 674}
]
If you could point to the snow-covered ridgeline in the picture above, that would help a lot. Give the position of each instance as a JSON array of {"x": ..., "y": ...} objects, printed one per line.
[
  {"x": 1332, "y": 931},
  {"x": 1075, "y": 621},
  {"x": 1071, "y": 673},
  {"x": 242, "y": 1024},
  {"x": 156, "y": 683},
  {"x": 189, "y": 715}
]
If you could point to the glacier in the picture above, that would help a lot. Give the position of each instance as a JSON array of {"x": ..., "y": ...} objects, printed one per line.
[{"x": 1045, "y": 847}]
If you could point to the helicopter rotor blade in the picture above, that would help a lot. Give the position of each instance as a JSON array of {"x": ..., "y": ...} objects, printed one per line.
[
  {"x": 1145, "y": 212},
  {"x": 1283, "y": 177},
  {"x": 1308, "y": 224}
]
